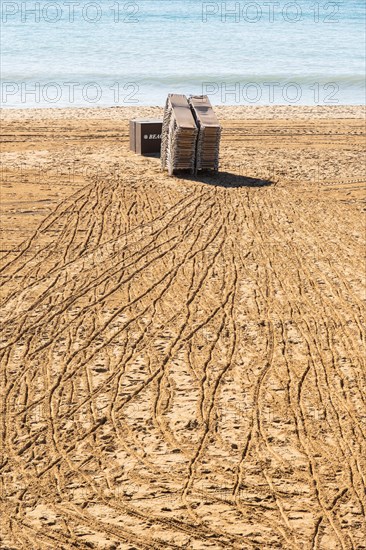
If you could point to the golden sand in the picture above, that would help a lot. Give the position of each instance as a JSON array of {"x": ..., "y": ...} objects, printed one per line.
[{"x": 181, "y": 359}]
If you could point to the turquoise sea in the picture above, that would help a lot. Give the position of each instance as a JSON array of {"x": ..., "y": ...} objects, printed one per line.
[{"x": 109, "y": 53}]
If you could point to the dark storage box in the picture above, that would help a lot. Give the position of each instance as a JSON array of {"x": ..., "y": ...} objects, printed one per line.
[{"x": 145, "y": 135}]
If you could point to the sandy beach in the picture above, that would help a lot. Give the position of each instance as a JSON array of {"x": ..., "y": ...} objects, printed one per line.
[{"x": 182, "y": 359}]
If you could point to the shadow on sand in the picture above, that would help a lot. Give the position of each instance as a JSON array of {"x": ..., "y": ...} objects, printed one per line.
[
  {"x": 218, "y": 179},
  {"x": 226, "y": 179}
]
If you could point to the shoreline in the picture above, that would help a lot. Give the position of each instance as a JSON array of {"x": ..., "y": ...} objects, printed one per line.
[{"x": 224, "y": 111}]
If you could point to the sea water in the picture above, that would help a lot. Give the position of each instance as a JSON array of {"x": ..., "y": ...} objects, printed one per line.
[{"x": 110, "y": 53}]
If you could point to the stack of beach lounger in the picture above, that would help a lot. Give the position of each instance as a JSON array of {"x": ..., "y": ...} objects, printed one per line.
[
  {"x": 190, "y": 135},
  {"x": 179, "y": 135},
  {"x": 208, "y": 142}
]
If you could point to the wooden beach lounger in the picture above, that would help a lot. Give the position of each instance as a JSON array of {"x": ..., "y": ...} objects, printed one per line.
[
  {"x": 179, "y": 135},
  {"x": 208, "y": 142}
]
